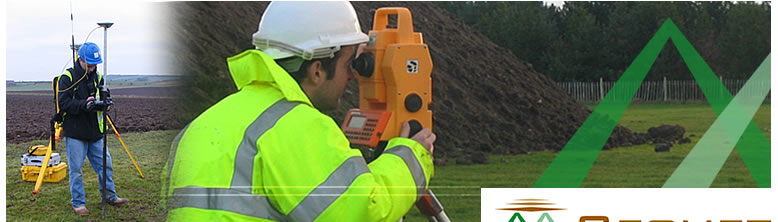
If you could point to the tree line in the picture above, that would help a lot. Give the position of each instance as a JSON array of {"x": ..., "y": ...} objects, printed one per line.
[{"x": 585, "y": 41}]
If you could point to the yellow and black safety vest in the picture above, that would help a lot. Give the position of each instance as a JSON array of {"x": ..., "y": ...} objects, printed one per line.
[{"x": 68, "y": 92}]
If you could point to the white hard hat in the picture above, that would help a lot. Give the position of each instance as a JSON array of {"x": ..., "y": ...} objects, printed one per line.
[{"x": 310, "y": 30}]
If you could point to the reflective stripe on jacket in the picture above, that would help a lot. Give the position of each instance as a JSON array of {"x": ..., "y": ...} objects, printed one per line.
[{"x": 265, "y": 153}]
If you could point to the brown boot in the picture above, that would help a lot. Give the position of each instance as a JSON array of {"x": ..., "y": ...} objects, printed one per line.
[
  {"x": 81, "y": 211},
  {"x": 118, "y": 202}
]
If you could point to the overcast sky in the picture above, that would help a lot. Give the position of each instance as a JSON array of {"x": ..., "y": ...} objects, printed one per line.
[{"x": 38, "y": 36}]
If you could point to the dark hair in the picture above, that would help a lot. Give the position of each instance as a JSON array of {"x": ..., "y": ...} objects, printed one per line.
[{"x": 300, "y": 74}]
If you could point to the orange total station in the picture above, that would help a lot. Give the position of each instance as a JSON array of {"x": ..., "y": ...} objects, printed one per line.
[{"x": 394, "y": 81}]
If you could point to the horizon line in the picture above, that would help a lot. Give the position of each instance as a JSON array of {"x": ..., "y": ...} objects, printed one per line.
[{"x": 115, "y": 74}]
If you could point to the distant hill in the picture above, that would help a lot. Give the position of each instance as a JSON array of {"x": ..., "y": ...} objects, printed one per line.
[{"x": 114, "y": 82}]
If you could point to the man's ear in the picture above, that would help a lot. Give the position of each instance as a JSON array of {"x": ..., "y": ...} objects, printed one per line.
[{"x": 315, "y": 74}]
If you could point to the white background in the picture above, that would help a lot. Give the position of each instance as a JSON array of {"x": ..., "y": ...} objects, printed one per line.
[{"x": 645, "y": 204}]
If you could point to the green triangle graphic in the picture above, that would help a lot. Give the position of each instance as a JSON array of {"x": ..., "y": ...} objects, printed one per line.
[
  {"x": 546, "y": 217},
  {"x": 517, "y": 215},
  {"x": 572, "y": 164},
  {"x": 704, "y": 161}
]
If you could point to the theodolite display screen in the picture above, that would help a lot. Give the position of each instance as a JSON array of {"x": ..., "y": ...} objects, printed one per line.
[
  {"x": 357, "y": 122},
  {"x": 364, "y": 127}
]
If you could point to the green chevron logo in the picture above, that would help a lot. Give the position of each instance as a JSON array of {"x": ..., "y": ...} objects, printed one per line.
[{"x": 732, "y": 128}]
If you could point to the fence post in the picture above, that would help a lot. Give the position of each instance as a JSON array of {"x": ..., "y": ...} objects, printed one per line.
[
  {"x": 682, "y": 89},
  {"x": 664, "y": 87},
  {"x": 601, "y": 90},
  {"x": 721, "y": 78},
  {"x": 577, "y": 93}
]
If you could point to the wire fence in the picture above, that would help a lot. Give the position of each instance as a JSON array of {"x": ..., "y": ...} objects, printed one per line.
[{"x": 663, "y": 90}]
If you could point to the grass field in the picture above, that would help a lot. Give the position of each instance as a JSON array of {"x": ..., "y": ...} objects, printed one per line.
[
  {"x": 457, "y": 186},
  {"x": 150, "y": 150}
]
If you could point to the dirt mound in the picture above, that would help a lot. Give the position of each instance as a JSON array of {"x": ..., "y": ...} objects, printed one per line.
[
  {"x": 622, "y": 136},
  {"x": 485, "y": 98},
  {"x": 663, "y": 137},
  {"x": 666, "y": 133}
]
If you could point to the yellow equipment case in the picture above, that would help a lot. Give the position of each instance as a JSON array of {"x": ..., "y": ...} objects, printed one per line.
[
  {"x": 38, "y": 150},
  {"x": 53, "y": 174}
]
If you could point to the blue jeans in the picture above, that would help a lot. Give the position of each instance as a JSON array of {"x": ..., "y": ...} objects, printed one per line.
[{"x": 77, "y": 150}]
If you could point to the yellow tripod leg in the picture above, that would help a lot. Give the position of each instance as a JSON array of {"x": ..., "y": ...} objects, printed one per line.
[
  {"x": 43, "y": 170},
  {"x": 39, "y": 182},
  {"x": 125, "y": 147}
]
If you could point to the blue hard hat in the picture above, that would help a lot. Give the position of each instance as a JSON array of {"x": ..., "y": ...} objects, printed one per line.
[{"x": 90, "y": 53}]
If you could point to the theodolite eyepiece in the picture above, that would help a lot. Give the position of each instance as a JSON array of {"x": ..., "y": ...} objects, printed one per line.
[{"x": 364, "y": 64}]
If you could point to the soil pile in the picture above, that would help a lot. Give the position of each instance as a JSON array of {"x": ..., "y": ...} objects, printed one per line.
[
  {"x": 485, "y": 99},
  {"x": 667, "y": 133},
  {"x": 663, "y": 137}
]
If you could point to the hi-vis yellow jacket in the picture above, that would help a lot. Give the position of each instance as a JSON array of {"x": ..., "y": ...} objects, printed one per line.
[
  {"x": 70, "y": 95},
  {"x": 265, "y": 153}
]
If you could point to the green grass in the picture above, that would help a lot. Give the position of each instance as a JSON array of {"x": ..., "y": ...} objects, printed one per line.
[
  {"x": 654, "y": 168},
  {"x": 150, "y": 150},
  {"x": 29, "y": 86},
  {"x": 457, "y": 186}
]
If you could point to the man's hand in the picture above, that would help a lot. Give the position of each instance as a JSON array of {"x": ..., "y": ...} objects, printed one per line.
[
  {"x": 90, "y": 103},
  {"x": 425, "y": 137}
]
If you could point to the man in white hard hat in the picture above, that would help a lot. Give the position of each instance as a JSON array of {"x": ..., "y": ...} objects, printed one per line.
[{"x": 267, "y": 152}]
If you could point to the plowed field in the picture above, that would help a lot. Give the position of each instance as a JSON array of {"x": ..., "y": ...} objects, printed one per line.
[{"x": 135, "y": 110}]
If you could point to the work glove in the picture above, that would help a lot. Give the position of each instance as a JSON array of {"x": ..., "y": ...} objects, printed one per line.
[
  {"x": 108, "y": 107},
  {"x": 106, "y": 93},
  {"x": 90, "y": 104}
]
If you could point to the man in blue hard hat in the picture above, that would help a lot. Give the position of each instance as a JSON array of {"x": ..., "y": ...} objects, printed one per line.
[{"x": 78, "y": 89}]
